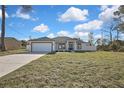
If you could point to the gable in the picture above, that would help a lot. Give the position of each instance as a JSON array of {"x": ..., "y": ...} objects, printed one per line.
[
  {"x": 42, "y": 39},
  {"x": 61, "y": 39}
]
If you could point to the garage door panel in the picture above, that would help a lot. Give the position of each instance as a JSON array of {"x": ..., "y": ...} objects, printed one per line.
[{"x": 41, "y": 47}]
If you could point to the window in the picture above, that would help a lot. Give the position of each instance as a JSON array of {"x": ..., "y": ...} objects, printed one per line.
[
  {"x": 79, "y": 46},
  {"x": 61, "y": 45},
  {"x": 71, "y": 46}
]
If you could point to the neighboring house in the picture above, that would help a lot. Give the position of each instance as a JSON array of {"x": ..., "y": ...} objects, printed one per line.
[
  {"x": 63, "y": 43},
  {"x": 11, "y": 43}
]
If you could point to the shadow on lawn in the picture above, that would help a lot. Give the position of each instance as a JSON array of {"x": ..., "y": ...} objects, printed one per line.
[
  {"x": 51, "y": 53},
  {"x": 84, "y": 51}
]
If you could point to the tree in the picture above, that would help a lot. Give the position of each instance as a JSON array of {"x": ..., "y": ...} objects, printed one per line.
[
  {"x": 98, "y": 41},
  {"x": 25, "y": 9},
  {"x": 90, "y": 35},
  {"x": 117, "y": 19},
  {"x": 121, "y": 9},
  {"x": 120, "y": 14},
  {"x": 23, "y": 43},
  {"x": 3, "y": 29},
  {"x": 110, "y": 28},
  {"x": 119, "y": 22}
]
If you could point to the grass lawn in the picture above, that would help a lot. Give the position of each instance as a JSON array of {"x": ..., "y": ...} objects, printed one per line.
[
  {"x": 88, "y": 69},
  {"x": 18, "y": 51}
]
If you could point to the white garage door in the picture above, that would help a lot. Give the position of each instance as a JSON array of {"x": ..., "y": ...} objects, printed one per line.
[{"x": 41, "y": 47}]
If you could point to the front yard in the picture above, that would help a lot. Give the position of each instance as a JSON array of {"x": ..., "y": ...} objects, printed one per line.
[
  {"x": 88, "y": 69},
  {"x": 9, "y": 52}
]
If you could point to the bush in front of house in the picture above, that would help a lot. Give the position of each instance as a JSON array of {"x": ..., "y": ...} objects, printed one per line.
[
  {"x": 114, "y": 46},
  {"x": 121, "y": 49},
  {"x": 102, "y": 48}
]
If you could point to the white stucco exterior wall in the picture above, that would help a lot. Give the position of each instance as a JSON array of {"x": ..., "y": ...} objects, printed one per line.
[
  {"x": 88, "y": 48},
  {"x": 28, "y": 47},
  {"x": 85, "y": 47},
  {"x": 54, "y": 46},
  {"x": 67, "y": 45},
  {"x": 75, "y": 46}
]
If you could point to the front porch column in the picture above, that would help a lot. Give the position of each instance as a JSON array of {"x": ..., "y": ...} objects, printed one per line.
[
  {"x": 67, "y": 46},
  {"x": 75, "y": 46}
]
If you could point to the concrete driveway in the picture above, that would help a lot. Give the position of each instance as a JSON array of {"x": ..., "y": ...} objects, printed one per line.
[{"x": 10, "y": 63}]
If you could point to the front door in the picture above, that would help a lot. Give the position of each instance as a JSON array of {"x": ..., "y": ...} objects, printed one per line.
[
  {"x": 71, "y": 46},
  {"x": 61, "y": 46}
]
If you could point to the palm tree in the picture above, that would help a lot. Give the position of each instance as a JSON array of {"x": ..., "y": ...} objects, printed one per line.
[
  {"x": 3, "y": 29},
  {"x": 25, "y": 9}
]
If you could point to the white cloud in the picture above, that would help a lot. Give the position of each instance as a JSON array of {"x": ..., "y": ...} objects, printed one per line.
[
  {"x": 103, "y": 7},
  {"x": 11, "y": 24},
  {"x": 26, "y": 39},
  {"x": 41, "y": 28},
  {"x": 107, "y": 14},
  {"x": 74, "y": 14},
  {"x": 23, "y": 15},
  {"x": 122, "y": 36},
  {"x": 91, "y": 25},
  {"x": 82, "y": 30},
  {"x": 6, "y": 15},
  {"x": 63, "y": 33},
  {"x": 82, "y": 35},
  {"x": 51, "y": 35},
  {"x": 97, "y": 36},
  {"x": 35, "y": 19}
]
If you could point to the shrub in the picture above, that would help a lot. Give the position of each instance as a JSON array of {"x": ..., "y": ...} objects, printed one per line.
[
  {"x": 53, "y": 52},
  {"x": 103, "y": 47},
  {"x": 114, "y": 46},
  {"x": 121, "y": 49}
]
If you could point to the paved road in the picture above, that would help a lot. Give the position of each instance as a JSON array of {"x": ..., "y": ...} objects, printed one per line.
[{"x": 10, "y": 63}]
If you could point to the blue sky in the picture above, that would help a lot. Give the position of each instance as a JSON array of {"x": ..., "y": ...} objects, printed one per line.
[{"x": 61, "y": 20}]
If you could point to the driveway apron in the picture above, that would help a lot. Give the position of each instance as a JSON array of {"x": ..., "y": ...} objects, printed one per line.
[{"x": 10, "y": 63}]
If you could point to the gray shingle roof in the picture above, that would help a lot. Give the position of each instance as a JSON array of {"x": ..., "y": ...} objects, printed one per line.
[
  {"x": 62, "y": 39},
  {"x": 58, "y": 39},
  {"x": 42, "y": 39}
]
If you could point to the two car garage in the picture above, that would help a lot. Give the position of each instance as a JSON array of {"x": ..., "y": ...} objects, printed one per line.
[{"x": 41, "y": 47}]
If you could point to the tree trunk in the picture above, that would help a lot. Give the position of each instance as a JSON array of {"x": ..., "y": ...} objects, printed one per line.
[
  {"x": 3, "y": 29},
  {"x": 117, "y": 34},
  {"x": 110, "y": 36}
]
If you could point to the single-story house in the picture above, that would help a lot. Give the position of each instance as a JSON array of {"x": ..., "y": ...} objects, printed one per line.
[
  {"x": 62, "y": 43},
  {"x": 11, "y": 43}
]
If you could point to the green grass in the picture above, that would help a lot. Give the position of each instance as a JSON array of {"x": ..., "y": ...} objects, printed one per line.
[
  {"x": 9, "y": 52},
  {"x": 88, "y": 69}
]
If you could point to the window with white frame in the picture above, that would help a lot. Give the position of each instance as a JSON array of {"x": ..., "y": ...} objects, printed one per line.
[{"x": 79, "y": 46}]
